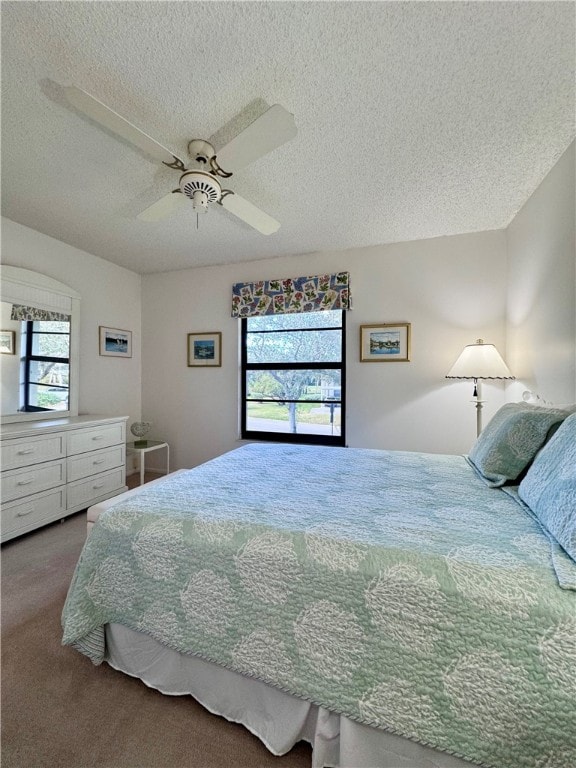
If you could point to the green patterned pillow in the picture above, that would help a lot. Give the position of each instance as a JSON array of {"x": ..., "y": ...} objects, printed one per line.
[
  {"x": 511, "y": 440},
  {"x": 549, "y": 488}
]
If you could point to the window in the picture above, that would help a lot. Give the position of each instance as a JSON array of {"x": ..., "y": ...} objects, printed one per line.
[
  {"x": 293, "y": 377},
  {"x": 45, "y": 365}
]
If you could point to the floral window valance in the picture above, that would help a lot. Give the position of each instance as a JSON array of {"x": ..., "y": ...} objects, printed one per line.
[
  {"x": 294, "y": 294},
  {"x": 20, "y": 312}
]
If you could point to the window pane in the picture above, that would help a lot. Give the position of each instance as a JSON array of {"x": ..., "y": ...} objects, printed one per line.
[
  {"x": 293, "y": 385},
  {"x": 294, "y": 404},
  {"x": 51, "y": 345},
  {"x": 48, "y": 397},
  {"x": 316, "y": 346},
  {"x": 329, "y": 319},
  {"x": 296, "y": 418},
  {"x": 50, "y": 326},
  {"x": 55, "y": 374}
]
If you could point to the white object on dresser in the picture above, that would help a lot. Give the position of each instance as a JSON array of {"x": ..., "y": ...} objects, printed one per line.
[{"x": 53, "y": 468}]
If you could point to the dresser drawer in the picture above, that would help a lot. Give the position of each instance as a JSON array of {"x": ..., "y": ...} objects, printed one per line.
[
  {"x": 86, "y": 464},
  {"x": 35, "y": 510},
  {"x": 32, "y": 450},
  {"x": 83, "y": 493},
  {"x": 82, "y": 441},
  {"x": 23, "y": 482}
]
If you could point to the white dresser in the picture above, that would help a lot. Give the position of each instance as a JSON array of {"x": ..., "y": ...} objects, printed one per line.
[{"x": 53, "y": 468}]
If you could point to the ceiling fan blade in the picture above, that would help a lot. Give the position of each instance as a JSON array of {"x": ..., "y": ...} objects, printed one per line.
[
  {"x": 250, "y": 214},
  {"x": 114, "y": 122},
  {"x": 164, "y": 208},
  {"x": 269, "y": 131}
]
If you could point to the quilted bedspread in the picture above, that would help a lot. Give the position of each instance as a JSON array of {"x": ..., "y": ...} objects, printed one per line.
[{"x": 394, "y": 588}]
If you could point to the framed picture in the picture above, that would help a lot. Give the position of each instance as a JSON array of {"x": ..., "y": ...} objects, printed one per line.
[
  {"x": 385, "y": 343},
  {"x": 115, "y": 342},
  {"x": 7, "y": 342},
  {"x": 204, "y": 349}
]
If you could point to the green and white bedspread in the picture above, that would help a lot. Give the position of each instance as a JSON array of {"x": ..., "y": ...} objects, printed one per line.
[{"x": 395, "y": 588}]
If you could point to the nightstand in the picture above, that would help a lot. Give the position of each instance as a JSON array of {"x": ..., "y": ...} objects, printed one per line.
[{"x": 142, "y": 447}]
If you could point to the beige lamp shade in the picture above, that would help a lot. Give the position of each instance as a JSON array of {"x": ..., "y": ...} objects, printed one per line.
[{"x": 479, "y": 361}]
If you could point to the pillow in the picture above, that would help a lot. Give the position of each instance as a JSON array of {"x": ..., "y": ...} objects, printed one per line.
[
  {"x": 549, "y": 488},
  {"x": 511, "y": 440}
]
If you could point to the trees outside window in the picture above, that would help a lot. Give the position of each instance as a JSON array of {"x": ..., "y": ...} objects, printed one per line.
[{"x": 293, "y": 381}]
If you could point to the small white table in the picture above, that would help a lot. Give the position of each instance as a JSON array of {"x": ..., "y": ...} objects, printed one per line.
[{"x": 142, "y": 447}]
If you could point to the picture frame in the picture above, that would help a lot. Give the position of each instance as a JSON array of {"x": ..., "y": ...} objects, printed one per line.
[
  {"x": 114, "y": 342},
  {"x": 8, "y": 342},
  {"x": 204, "y": 349},
  {"x": 385, "y": 343}
]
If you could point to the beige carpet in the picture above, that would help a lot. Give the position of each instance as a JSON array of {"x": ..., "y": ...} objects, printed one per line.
[{"x": 59, "y": 711}]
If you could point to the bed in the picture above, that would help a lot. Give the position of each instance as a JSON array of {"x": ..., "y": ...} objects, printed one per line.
[{"x": 391, "y": 608}]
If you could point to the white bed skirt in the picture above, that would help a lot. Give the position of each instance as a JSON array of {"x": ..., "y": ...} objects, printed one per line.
[{"x": 276, "y": 718}]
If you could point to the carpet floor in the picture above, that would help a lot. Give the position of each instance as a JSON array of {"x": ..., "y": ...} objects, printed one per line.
[{"x": 59, "y": 711}]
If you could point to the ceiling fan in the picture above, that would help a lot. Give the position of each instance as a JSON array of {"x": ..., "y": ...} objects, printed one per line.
[{"x": 201, "y": 173}]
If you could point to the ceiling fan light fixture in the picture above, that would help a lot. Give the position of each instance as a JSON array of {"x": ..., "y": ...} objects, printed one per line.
[
  {"x": 202, "y": 188},
  {"x": 200, "y": 202}
]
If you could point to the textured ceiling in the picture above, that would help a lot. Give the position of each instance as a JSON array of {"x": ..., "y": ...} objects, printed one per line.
[{"x": 415, "y": 119}]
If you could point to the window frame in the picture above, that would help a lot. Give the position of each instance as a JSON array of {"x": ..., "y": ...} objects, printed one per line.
[
  {"x": 30, "y": 357},
  {"x": 288, "y": 437}
]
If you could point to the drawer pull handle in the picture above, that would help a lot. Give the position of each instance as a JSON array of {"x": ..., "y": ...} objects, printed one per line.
[
  {"x": 26, "y": 451},
  {"x": 25, "y": 482},
  {"x": 98, "y": 461},
  {"x": 98, "y": 437},
  {"x": 98, "y": 485},
  {"x": 24, "y": 512}
]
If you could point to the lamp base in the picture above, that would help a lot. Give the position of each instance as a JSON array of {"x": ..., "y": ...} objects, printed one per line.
[{"x": 479, "y": 403}]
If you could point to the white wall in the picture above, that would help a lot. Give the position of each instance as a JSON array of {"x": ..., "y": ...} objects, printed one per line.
[
  {"x": 111, "y": 296},
  {"x": 452, "y": 290},
  {"x": 541, "y": 331}
]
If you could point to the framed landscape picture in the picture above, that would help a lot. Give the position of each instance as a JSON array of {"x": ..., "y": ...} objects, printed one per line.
[
  {"x": 7, "y": 342},
  {"x": 385, "y": 343},
  {"x": 204, "y": 349},
  {"x": 115, "y": 342}
]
